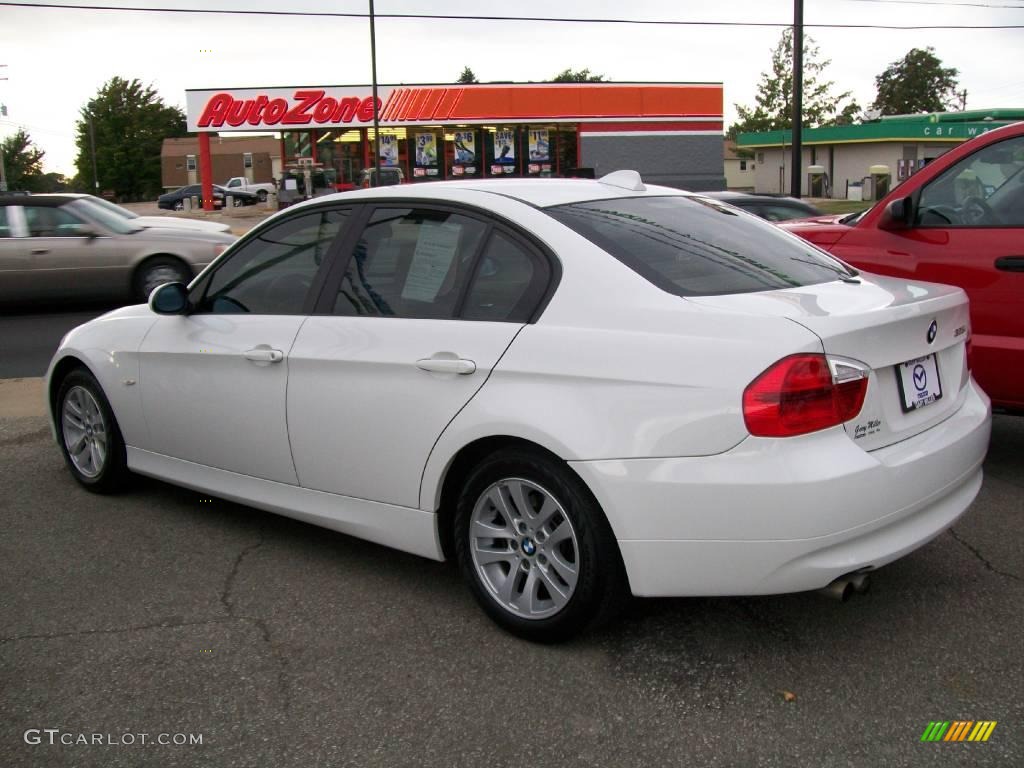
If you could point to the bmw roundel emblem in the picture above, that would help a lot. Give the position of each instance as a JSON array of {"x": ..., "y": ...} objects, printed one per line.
[
  {"x": 529, "y": 547},
  {"x": 933, "y": 330}
]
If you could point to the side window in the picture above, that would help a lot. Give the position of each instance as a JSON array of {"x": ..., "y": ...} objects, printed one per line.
[
  {"x": 985, "y": 189},
  {"x": 271, "y": 274},
  {"x": 47, "y": 221},
  {"x": 508, "y": 282},
  {"x": 410, "y": 263},
  {"x": 5, "y": 227}
]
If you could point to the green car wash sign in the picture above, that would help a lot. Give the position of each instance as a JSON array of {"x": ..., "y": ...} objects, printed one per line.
[{"x": 922, "y": 129}]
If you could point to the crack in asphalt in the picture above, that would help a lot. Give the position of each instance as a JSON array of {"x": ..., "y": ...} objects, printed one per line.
[
  {"x": 229, "y": 582},
  {"x": 227, "y": 600},
  {"x": 122, "y": 630},
  {"x": 977, "y": 553}
]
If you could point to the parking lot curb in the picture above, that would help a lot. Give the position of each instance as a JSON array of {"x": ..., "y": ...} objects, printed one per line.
[{"x": 22, "y": 397}]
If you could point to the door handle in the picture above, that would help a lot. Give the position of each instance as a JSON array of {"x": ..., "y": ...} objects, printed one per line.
[
  {"x": 1010, "y": 263},
  {"x": 444, "y": 365},
  {"x": 39, "y": 251},
  {"x": 264, "y": 355}
]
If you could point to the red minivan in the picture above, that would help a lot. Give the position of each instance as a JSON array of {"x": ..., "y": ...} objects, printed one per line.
[{"x": 959, "y": 220}]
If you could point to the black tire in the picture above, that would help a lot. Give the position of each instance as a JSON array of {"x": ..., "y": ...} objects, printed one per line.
[
  {"x": 178, "y": 205},
  {"x": 262, "y": 195},
  {"x": 601, "y": 586},
  {"x": 113, "y": 470},
  {"x": 156, "y": 271}
]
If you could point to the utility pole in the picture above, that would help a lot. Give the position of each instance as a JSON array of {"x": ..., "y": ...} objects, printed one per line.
[
  {"x": 376, "y": 115},
  {"x": 92, "y": 146},
  {"x": 798, "y": 96},
  {"x": 963, "y": 100},
  {"x": 3, "y": 172}
]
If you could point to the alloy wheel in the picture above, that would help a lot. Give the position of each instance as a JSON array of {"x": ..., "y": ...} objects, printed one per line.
[
  {"x": 84, "y": 431},
  {"x": 524, "y": 548}
]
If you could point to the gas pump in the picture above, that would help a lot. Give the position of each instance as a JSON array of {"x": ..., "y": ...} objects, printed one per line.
[
  {"x": 880, "y": 178},
  {"x": 816, "y": 186}
]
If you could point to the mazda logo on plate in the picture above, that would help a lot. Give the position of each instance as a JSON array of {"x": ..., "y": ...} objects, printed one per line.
[
  {"x": 920, "y": 378},
  {"x": 933, "y": 330}
]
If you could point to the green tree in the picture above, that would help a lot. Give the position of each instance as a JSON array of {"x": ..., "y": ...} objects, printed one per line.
[
  {"x": 773, "y": 108},
  {"x": 467, "y": 76},
  {"x": 130, "y": 122},
  {"x": 582, "y": 76},
  {"x": 23, "y": 162},
  {"x": 916, "y": 83}
]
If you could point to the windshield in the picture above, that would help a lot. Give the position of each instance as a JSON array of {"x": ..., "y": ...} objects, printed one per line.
[
  {"x": 693, "y": 246},
  {"x": 116, "y": 210},
  {"x": 100, "y": 215}
]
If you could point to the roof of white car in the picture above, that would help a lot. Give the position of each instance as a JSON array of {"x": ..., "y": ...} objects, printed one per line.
[{"x": 538, "y": 192}]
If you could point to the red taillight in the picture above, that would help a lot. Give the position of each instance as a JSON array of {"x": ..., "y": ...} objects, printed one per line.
[{"x": 798, "y": 395}]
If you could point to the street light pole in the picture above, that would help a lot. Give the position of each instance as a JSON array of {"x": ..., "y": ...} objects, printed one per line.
[{"x": 376, "y": 114}]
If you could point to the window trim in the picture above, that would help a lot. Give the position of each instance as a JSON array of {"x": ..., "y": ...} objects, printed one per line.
[
  {"x": 324, "y": 306},
  {"x": 198, "y": 289}
]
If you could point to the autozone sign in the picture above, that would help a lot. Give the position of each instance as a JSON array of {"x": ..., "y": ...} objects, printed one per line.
[{"x": 309, "y": 107}]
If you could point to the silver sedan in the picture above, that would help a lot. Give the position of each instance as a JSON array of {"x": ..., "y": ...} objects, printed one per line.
[{"x": 65, "y": 246}]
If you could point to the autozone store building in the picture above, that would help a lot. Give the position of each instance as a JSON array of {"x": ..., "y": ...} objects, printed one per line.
[{"x": 670, "y": 132}]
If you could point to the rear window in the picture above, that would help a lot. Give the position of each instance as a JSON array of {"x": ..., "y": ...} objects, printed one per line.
[{"x": 694, "y": 246}]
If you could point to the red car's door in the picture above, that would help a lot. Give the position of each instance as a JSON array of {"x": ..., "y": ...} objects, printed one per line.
[{"x": 968, "y": 230}]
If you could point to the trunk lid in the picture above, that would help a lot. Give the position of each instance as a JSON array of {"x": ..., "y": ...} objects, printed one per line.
[{"x": 885, "y": 324}]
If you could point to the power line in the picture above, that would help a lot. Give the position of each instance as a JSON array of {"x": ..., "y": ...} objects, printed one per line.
[
  {"x": 941, "y": 3},
  {"x": 534, "y": 19}
]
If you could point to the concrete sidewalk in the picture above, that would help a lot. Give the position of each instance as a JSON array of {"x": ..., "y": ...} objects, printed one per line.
[{"x": 22, "y": 397}]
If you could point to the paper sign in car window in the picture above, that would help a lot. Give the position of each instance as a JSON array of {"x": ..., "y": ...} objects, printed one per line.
[{"x": 431, "y": 261}]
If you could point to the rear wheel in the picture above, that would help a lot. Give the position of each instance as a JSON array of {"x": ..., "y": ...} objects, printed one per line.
[
  {"x": 89, "y": 436},
  {"x": 535, "y": 548}
]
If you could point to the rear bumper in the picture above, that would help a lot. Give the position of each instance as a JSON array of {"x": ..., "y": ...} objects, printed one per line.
[{"x": 775, "y": 516}]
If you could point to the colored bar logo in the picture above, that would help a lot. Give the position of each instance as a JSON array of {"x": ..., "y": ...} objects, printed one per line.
[{"x": 959, "y": 730}]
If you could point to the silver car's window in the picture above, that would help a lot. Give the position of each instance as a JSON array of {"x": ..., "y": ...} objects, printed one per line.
[
  {"x": 410, "y": 263},
  {"x": 103, "y": 217},
  {"x": 5, "y": 228},
  {"x": 694, "y": 246},
  {"x": 50, "y": 221},
  {"x": 272, "y": 272}
]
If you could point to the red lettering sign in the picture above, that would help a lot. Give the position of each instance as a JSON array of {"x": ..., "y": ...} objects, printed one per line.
[{"x": 307, "y": 107}]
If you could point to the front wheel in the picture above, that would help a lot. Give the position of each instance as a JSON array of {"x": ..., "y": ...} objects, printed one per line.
[
  {"x": 157, "y": 271},
  {"x": 535, "y": 548},
  {"x": 262, "y": 195},
  {"x": 89, "y": 436}
]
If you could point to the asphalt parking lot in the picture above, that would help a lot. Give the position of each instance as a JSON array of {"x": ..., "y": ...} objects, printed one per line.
[{"x": 160, "y": 611}]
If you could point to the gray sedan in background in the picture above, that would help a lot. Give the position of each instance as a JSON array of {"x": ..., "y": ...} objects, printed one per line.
[{"x": 67, "y": 246}]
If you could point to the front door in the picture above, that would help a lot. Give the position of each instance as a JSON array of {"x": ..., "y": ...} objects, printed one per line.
[{"x": 214, "y": 381}]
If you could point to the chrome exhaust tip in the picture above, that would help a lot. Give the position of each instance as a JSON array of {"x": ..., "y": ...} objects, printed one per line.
[{"x": 843, "y": 588}]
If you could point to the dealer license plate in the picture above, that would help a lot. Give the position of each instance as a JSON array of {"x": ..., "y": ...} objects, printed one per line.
[{"x": 919, "y": 383}]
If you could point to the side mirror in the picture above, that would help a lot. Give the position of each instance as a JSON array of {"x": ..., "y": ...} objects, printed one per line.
[
  {"x": 169, "y": 299},
  {"x": 898, "y": 214}
]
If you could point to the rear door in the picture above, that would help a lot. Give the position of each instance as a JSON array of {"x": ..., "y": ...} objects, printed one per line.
[{"x": 406, "y": 332}]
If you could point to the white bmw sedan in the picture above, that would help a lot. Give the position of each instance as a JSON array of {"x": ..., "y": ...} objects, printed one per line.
[{"x": 577, "y": 389}]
